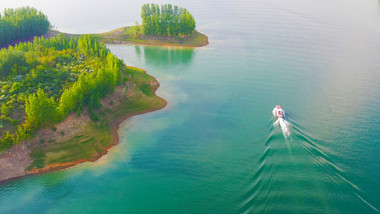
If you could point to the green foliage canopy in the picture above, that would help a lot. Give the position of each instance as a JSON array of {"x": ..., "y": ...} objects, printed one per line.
[
  {"x": 22, "y": 23},
  {"x": 43, "y": 81},
  {"x": 166, "y": 21}
]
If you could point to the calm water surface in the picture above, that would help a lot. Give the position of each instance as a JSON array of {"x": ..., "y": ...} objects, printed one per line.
[{"x": 214, "y": 148}]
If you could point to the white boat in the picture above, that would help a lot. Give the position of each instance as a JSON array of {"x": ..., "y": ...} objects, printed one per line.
[{"x": 278, "y": 112}]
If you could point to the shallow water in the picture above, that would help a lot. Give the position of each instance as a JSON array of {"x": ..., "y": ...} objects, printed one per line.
[{"x": 214, "y": 148}]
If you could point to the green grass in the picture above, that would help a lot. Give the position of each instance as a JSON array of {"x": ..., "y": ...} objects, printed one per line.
[{"x": 79, "y": 147}]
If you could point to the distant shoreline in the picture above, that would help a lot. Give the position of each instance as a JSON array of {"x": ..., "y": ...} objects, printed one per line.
[{"x": 125, "y": 35}]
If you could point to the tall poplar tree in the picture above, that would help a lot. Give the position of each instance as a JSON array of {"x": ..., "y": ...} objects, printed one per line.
[{"x": 166, "y": 21}]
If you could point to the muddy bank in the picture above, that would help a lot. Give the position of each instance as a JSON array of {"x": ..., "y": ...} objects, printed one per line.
[{"x": 13, "y": 162}]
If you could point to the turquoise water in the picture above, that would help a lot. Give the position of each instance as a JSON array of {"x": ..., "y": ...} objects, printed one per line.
[{"x": 214, "y": 148}]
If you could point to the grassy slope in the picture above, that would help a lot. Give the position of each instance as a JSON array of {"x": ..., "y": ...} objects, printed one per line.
[
  {"x": 126, "y": 35},
  {"x": 95, "y": 138}
]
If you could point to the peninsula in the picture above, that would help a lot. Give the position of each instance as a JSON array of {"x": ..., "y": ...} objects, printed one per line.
[
  {"x": 63, "y": 96},
  {"x": 70, "y": 115}
]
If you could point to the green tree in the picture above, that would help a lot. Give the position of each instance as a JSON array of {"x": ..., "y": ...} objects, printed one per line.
[
  {"x": 7, "y": 141},
  {"x": 166, "y": 21},
  {"x": 22, "y": 23},
  {"x": 40, "y": 110},
  {"x": 137, "y": 29}
]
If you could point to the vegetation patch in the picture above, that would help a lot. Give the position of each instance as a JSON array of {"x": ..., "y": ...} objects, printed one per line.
[
  {"x": 44, "y": 81},
  {"x": 94, "y": 138},
  {"x": 20, "y": 24}
]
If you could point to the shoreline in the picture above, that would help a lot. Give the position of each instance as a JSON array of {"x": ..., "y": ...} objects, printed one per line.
[
  {"x": 158, "y": 44},
  {"x": 124, "y": 35},
  {"x": 115, "y": 140}
]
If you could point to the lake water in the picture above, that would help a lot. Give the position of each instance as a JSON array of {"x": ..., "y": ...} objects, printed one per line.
[{"x": 214, "y": 149}]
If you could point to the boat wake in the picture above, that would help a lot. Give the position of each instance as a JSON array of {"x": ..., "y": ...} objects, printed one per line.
[
  {"x": 284, "y": 125},
  {"x": 294, "y": 168},
  {"x": 279, "y": 113}
]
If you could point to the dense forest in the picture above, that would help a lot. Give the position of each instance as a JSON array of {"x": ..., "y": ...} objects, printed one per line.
[
  {"x": 41, "y": 82},
  {"x": 166, "y": 21},
  {"x": 20, "y": 24}
]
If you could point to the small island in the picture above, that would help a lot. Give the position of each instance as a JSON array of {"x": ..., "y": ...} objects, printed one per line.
[
  {"x": 62, "y": 96},
  {"x": 168, "y": 25}
]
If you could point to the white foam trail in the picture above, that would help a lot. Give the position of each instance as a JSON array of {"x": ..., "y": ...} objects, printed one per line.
[{"x": 284, "y": 126}]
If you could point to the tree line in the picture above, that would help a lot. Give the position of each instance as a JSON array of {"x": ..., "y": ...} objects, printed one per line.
[
  {"x": 43, "y": 81},
  {"x": 166, "y": 20},
  {"x": 22, "y": 23}
]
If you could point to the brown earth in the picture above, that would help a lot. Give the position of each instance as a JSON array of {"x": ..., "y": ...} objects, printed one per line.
[{"x": 14, "y": 161}]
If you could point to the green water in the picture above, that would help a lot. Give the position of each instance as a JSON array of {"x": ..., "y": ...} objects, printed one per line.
[{"x": 214, "y": 148}]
